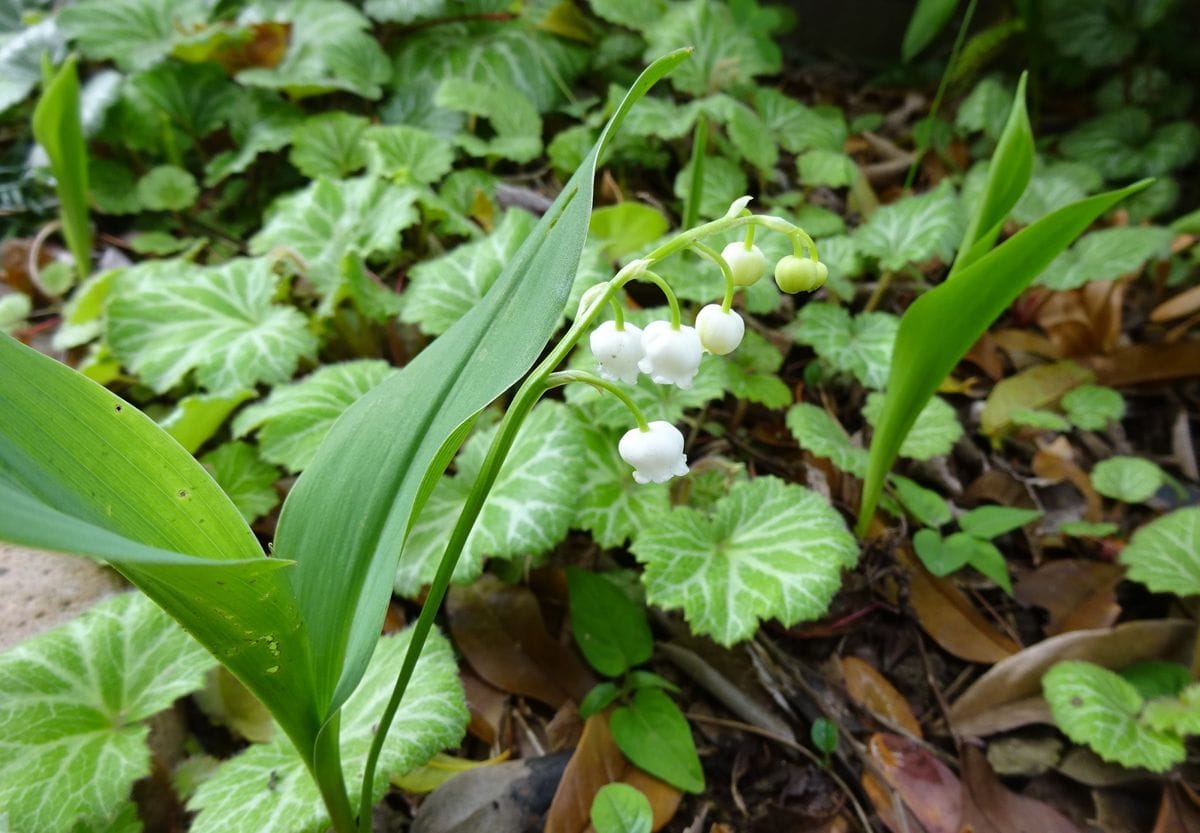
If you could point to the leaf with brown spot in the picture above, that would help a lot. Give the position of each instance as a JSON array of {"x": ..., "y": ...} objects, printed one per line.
[
  {"x": 1076, "y": 593},
  {"x": 926, "y": 785},
  {"x": 950, "y": 619},
  {"x": 872, "y": 691},
  {"x": 499, "y": 630},
  {"x": 1035, "y": 387},
  {"x": 1009, "y": 694},
  {"x": 989, "y": 807},
  {"x": 597, "y": 761}
]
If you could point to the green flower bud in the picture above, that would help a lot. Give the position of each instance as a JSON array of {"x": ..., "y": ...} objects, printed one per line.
[{"x": 800, "y": 274}]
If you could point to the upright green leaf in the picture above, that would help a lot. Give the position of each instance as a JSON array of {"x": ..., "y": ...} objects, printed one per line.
[
  {"x": 83, "y": 471},
  {"x": 928, "y": 19},
  {"x": 73, "y": 703},
  {"x": 57, "y": 127},
  {"x": 655, "y": 736},
  {"x": 346, "y": 518},
  {"x": 939, "y": 328},
  {"x": 1008, "y": 175}
]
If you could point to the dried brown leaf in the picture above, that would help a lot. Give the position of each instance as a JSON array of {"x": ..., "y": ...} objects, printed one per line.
[
  {"x": 926, "y": 786},
  {"x": 1182, "y": 305},
  {"x": 1141, "y": 363},
  {"x": 597, "y": 761},
  {"x": 499, "y": 629},
  {"x": 1179, "y": 811},
  {"x": 1006, "y": 696},
  {"x": 1056, "y": 462},
  {"x": 989, "y": 807},
  {"x": 950, "y": 619},
  {"x": 1076, "y": 593},
  {"x": 872, "y": 691},
  {"x": 1084, "y": 321}
]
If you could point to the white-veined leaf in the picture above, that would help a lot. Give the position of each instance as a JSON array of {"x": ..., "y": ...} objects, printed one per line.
[
  {"x": 135, "y": 34},
  {"x": 861, "y": 345},
  {"x": 751, "y": 372},
  {"x": 330, "y": 144},
  {"x": 826, "y": 167},
  {"x": 406, "y": 154},
  {"x": 267, "y": 786},
  {"x": 1099, "y": 708},
  {"x": 1164, "y": 554},
  {"x": 1107, "y": 255},
  {"x": 218, "y": 322},
  {"x": 913, "y": 229},
  {"x": 444, "y": 289},
  {"x": 331, "y": 218},
  {"x": 513, "y": 117},
  {"x": 770, "y": 549},
  {"x": 72, "y": 706},
  {"x": 21, "y": 59},
  {"x": 293, "y": 420},
  {"x": 724, "y": 181},
  {"x": 797, "y": 127},
  {"x": 817, "y": 431},
  {"x": 528, "y": 511}
]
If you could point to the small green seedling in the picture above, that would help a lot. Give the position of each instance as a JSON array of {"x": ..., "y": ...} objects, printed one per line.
[
  {"x": 614, "y": 636},
  {"x": 973, "y": 546},
  {"x": 824, "y": 736}
]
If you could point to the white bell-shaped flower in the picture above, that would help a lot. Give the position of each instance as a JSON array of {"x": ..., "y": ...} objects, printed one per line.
[
  {"x": 617, "y": 352},
  {"x": 655, "y": 454},
  {"x": 672, "y": 356},
  {"x": 747, "y": 265},
  {"x": 720, "y": 331}
]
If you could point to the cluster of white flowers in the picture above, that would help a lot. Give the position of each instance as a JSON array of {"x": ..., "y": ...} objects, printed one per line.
[{"x": 669, "y": 353}]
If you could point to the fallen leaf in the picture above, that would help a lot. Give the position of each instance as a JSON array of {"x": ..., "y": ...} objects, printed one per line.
[
  {"x": 1084, "y": 321},
  {"x": 1179, "y": 811},
  {"x": 926, "y": 785},
  {"x": 998, "y": 486},
  {"x": 1020, "y": 342},
  {"x": 1182, "y": 305},
  {"x": 440, "y": 769},
  {"x": 1055, "y": 462},
  {"x": 597, "y": 761},
  {"x": 1141, "y": 363},
  {"x": 499, "y": 629},
  {"x": 886, "y": 808},
  {"x": 487, "y": 704},
  {"x": 950, "y": 619},
  {"x": 985, "y": 354},
  {"x": 1076, "y": 593},
  {"x": 1084, "y": 766},
  {"x": 505, "y": 798},
  {"x": 1009, "y": 693},
  {"x": 872, "y": 691},
  {"x": 1040, "y": 386},
  {"x": 989, "y": 807}
]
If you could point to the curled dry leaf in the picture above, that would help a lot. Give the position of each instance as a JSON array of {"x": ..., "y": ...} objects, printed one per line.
[
  {"x": 929, "y": 790},
  {"x": 1182, "y": 305},
  {"x": 1009, "y": 694},
  {"x": 1085, "y": 321},
  {"x": 597, "y": 761},
  {"x": 872, "y": 691},
  {"x": 950, "y": 619},
  {"x": 1138, "y": 364},
  {"x": 499, "y": 630},
  {"x": 1179, "y": 811},
  {"x": 1076, "y": 593},
  {"x": 990, "y": 807},
  {"x": 1056, "y": 462}
]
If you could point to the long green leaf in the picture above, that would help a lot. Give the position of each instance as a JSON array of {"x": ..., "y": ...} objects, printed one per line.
[
  {"x": 84, "y": 472},
  {"x": 1008, "y": 176},
  {"x": 346, "y": 519},
  {"x": 928, "y": 19},
  {"x": 58, "y": 129},
  {"x": 939, "y": 328}
]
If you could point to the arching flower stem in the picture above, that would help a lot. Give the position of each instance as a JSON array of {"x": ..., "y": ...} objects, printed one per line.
[
  {"x": 564, "y": 377},
  {"x": 715, "y": 256}
]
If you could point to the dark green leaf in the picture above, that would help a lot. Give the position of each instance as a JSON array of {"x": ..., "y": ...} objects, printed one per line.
[
  {"x": 611, "y": 631},
  {"x": 928, "y": 19},
  {"x": 655, "y": 736},
  {"x": 992, "y": 521}
]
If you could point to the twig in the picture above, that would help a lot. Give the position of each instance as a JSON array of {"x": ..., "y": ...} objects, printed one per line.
[{"x": 863, "y": 820}]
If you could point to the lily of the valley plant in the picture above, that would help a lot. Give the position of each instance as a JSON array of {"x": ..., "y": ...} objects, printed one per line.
[{"x": 298, "y": 627}]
